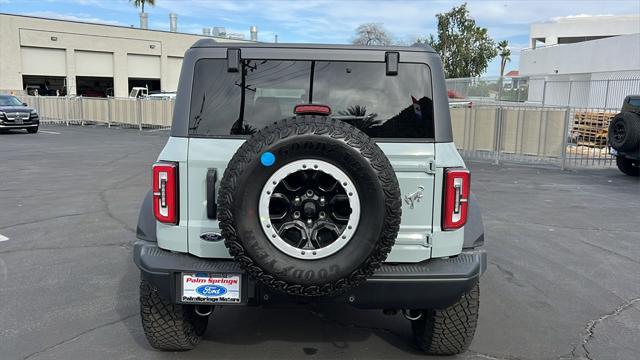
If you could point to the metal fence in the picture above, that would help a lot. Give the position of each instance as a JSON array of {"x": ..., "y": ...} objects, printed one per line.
[
  {"x": 494, "y": 130},
  {"x": 545, "y": 91},
  {"x": 125, "y": 112},
  {"x": 564, "y": 136},
  {"x": 589, "y": 93},
  {"x": 489, "y": 89}
]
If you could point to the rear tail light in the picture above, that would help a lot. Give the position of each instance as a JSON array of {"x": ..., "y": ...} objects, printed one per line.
[
  {"x": 456, "y": 198},
  {"x": 165, "y": 192}
]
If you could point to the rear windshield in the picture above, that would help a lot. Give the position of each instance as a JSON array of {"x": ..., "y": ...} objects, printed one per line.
[{"x": 264, "y": 91}]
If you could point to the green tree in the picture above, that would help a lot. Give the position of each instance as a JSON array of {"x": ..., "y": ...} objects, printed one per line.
[
  {"x": 505, "y": 55},
  {"x": 140, "y": 3},
  {"x": 465, "y": 48}
]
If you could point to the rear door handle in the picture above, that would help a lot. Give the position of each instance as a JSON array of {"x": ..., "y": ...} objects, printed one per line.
[{"x": 212, "y": 208}]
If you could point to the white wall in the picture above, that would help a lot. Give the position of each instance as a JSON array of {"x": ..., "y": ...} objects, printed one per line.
[
  {"x": 585, "y": 26},
  {"x": 174, "y": 64},
  {"x": 620, "y": 53}
]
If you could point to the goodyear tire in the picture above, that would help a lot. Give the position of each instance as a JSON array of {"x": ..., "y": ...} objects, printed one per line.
[
  {"x": 624, "y": 131},
  {"x": 448, "y": 331},
  {"x": 169, "y": 326},
  {"x": 322, "y": 173}
]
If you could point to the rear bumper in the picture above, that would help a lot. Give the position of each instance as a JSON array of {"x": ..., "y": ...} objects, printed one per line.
[{"x": 434, "y": 283}]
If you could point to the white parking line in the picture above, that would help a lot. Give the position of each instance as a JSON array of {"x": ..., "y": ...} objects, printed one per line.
[
  {"x": 3, "y": 238},
  {"x": 49, "y": 132}
]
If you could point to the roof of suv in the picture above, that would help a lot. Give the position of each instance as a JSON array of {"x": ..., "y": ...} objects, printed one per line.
[{"x": 210, "y": 43}]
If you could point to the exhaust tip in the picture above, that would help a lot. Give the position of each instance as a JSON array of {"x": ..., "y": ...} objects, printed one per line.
[
  {"x": 204, "y": 310},
  {"x": 412, "y": 315}
]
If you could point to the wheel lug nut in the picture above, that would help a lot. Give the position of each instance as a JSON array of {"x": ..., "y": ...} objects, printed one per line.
[
  {"x": 309, "y": 193},
  {"x": 322, "y": 215},
  {"x": 322, "y": 201},
  {"x": 309, "y": 222},
  {"x": 296, "y": 214},
  {"x": 296, "y": 200}
]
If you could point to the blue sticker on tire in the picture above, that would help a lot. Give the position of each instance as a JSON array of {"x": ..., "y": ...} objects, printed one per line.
[{"x": 267, "y": 158}]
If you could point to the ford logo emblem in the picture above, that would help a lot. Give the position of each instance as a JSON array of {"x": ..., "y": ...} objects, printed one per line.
[{"x": 211, "y": 290}]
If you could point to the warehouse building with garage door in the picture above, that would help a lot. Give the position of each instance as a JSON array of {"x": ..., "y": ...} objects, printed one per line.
[{"x": 59, "y": 57}]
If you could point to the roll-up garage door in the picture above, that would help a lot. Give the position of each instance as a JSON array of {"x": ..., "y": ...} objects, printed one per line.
[
  {"x": 93, "y": 63},
  {"x": 42, "y": 61},
  {"x": 143, "y": 66}
]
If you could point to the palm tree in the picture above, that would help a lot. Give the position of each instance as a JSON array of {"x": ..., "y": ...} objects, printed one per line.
[
  {"x": 505, "y": 55},
  {"x": 140, "y": 3}
]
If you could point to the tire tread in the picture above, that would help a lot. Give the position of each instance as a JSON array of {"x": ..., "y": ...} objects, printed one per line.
[
  {"x": 169, "y": 326},
  {"x": 321, "y": 126},
  {"x": 448, "y": 331}
]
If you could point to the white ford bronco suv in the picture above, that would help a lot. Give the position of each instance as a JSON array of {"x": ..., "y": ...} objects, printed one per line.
[{"x": 310, "y": 173}]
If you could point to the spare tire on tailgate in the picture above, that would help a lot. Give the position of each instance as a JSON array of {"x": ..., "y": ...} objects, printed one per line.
[{"x": 309, "y": 206}]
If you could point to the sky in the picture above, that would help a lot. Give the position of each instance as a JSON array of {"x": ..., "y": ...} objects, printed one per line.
[{"x": 327, "y": 21}]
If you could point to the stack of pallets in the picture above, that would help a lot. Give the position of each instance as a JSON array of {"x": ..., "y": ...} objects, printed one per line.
[{"x": 590, "y": 128}]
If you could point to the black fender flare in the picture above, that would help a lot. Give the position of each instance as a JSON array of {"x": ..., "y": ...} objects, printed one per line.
[
  {"x": 146, "y": 229},
  {"x": 474, "y": 228}
]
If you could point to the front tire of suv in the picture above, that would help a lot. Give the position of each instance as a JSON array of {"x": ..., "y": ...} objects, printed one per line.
[
  {"x": 169, "y": 326},
  {"x": 32, "y": 130},
  {"x": 448, "y": 331},
  {"x": 628, "y": 166}
]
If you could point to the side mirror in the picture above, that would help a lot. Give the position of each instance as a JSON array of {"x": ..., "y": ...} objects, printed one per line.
[{"x": 24, "y": 104}]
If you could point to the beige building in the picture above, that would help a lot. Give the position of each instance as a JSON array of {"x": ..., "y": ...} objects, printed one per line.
[{"x": 76, "y": 58}]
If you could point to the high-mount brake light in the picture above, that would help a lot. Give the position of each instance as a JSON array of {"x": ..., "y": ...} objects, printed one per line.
[
  {"x": 312, "y": 109},
  {"x": 165, "y": 192},
  {"x": 456, "y": 198}
]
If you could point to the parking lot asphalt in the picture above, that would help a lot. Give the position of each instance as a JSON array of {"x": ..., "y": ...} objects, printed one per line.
[{"x": 563, "y": 278}]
